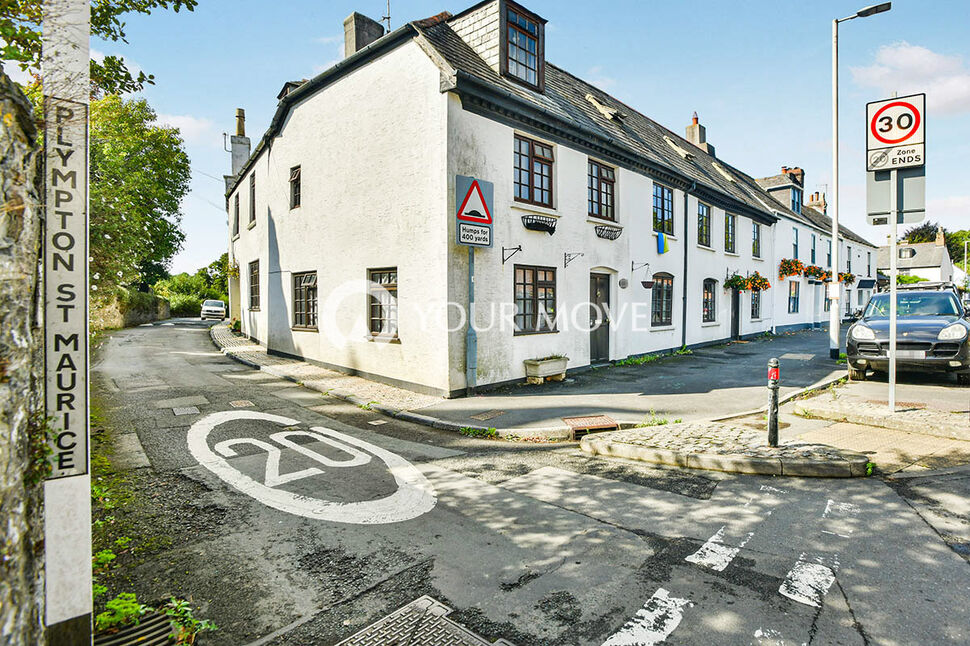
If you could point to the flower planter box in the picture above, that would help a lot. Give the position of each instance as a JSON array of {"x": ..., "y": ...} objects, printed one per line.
[{"x": 537, "y": 370}]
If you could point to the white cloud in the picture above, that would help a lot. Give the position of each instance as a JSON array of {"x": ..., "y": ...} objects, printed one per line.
[
  {"x": 907, "y": 69},
  {"x": 600, "y": 80},
  {"x": 952, "y": 210},
  {"x": 17, "y": 75},
  {"x": 327, "y": 40},
  {"x": 194, "y": 130}
]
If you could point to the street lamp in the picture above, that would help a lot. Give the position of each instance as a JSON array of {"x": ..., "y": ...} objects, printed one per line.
[{"x": 834, "y": 312}]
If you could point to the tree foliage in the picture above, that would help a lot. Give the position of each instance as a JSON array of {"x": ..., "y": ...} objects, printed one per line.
[
  {"x": 926, "y": 232},
  {"x": 20, "y": 38},
  {"x": 139, "y": 175}
]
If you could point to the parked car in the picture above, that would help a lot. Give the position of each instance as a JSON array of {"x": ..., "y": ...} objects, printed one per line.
[
  {"x": 213, "y": 310},
  {"x": 932, "y": 334}
]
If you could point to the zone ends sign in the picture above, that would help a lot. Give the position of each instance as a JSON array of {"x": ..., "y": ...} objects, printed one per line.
[{"x": 895, "y": 133}]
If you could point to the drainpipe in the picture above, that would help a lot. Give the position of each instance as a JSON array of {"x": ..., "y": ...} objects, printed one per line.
[{"x": 683, "y": 326}]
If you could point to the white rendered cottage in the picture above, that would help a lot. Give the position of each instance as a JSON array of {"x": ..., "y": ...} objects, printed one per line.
[{"x": 343, "y": 231}]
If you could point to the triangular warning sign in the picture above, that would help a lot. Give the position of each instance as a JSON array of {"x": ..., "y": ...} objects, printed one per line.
[{"x": 473, "y": 207}]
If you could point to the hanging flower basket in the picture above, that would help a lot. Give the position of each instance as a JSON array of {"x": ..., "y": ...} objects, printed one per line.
[
  {"x": 233, "y": 270},
  {"x": 737, "y": 281},
  {"x": 758, "y": 282},
  {"x": 790, "y": 267},
  {"x": 846, "y": 277},
  {"x": 816, "y": 273}
]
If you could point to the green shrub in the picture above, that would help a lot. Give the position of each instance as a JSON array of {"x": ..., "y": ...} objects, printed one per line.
[
  {"x": 123, "y": 610},
  {"x": 185, "y": 305},
  {"x": 471, "y": 431}
]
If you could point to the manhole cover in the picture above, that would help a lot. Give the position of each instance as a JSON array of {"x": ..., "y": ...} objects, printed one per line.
[
  {"x": 153, "y": 630},
  {"x": 590, "y": 423},
  {"x": 422, "y": 622},
  {"x": 885, "y": 402},
  {"x": 487, "y": 415}
]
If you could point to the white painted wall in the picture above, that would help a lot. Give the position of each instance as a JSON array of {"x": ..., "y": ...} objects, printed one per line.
[{"x": 372, "y": 152}]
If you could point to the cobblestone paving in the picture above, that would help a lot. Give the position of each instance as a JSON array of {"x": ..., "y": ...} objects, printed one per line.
[
  {"x": 720, "y": 439},
  {"x": 316, "y": 377}
]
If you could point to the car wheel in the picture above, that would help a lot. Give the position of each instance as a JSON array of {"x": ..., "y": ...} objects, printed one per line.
[
  {"x": 963, "y": 378},
  {"x": 857, "y": 375}
]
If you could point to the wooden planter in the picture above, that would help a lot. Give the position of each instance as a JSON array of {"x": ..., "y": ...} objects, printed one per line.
[{"x": 537, "y": 370}]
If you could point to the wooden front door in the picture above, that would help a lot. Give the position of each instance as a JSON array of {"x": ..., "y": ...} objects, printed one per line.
[{"x": 599, "y": 322}]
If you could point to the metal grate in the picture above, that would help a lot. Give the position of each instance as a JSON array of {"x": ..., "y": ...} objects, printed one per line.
[
  {"x": 153, "y": 630},
  {"x": 420, "y": 623},
  {"x": 590, "y": 423}
]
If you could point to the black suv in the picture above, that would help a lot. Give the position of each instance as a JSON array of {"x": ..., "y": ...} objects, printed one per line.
[{"x": 932, "y": 334}]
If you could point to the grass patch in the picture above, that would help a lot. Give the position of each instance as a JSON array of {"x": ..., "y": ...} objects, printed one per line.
[
  {"x": 842, "y": 358},
  {"x": 655, "y": 420},
  {"x": 471, "y": 431},
  {"x": 640, "y": 360}
]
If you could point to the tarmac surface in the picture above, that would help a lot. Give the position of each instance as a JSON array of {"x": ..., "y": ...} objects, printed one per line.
[{"x": 290, "y": 517}]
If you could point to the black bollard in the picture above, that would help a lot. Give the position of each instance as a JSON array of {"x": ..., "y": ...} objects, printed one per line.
[{"x": 774, "y": 373}]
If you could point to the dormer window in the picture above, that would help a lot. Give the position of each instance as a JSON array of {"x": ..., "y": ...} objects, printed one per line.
[
  {"x": 796, "y": 200},
  {"x": 522, "y": 59}
]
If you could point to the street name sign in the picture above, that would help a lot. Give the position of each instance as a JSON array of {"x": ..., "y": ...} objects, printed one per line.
[
  {"x": 65, "y": 65},
  {"x": 895, "y": 133},
  {"x": 473, "y": 214}
]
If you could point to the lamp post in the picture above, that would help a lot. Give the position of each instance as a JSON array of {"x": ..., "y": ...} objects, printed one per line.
[{"x": 834, "y": 312}]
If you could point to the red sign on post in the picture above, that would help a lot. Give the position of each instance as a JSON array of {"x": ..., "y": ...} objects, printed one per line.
[{"x": 774, "y": 374}]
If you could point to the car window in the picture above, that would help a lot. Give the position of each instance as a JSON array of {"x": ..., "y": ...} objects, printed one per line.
[
  {"x": 213, "y": 304},
  {"x": 918, "y": 304}
]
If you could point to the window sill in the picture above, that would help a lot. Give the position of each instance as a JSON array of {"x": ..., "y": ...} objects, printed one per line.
[
  {"x": 593, "y": 219},
  {"x": 535, "y": 333},
  {"x": 711, "y": 324},
  {"x": 294, "y": 208},
  {"x": 251, "y": 224},
  {"x": 235, "y": 237},
  {"x": 758, "y": 258},
  {"x": 662, "y": 328},
  {"x": 300, "y": 328},
  {"x": 377, "y": 338},
  {"x": 732, "y": 253},
  {"x": 705, "y": 247},
  {"x": 253, "y": 309},
  {"x": 672, "y": 236},
  {"x": 533, "y": 208}
]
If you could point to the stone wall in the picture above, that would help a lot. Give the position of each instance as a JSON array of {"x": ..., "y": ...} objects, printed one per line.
[
  {"x": 127, "y": 309},
  {"x": 21, "y": 371}
]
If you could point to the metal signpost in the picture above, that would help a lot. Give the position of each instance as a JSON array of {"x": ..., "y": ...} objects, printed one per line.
[
  {"x": 67, "y": 491},
  {"x": 473, "y": 228},
  {"x": 895, "y": 186}
]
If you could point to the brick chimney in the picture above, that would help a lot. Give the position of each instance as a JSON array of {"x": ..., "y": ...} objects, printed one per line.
[
  {"x": 940, "y": 239},
  {"x": 697, "y": 135},
  {"x": 359, "y": 32},
  {"x": 239, "y": 143},
  {"x": 796, "y": 173},
  {"x": 817, "y": 201}
]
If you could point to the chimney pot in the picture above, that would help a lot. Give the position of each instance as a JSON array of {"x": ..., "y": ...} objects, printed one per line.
[
  {"x": 784, "y": 169},
  {"x": 240, "y": 122},
  {"x": 695, "y": 118}
]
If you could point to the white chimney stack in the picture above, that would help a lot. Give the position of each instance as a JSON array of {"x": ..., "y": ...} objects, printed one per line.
[{"x": 239, "y": 143}]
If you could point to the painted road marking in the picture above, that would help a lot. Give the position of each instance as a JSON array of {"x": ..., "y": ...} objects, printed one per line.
[
  {"x": 414, "y": 496},
  {"x": 807, "y": 583},
  {"x": 653, "y": 623},
  {"x": 714, "y": 554},
  {"x": 840, "y": 509}
]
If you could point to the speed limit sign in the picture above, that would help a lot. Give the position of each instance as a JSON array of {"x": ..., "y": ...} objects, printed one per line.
[{"x": 895, "y": 133}]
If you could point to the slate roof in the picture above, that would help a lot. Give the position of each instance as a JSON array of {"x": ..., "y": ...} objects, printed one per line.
[
  {"x": 928, "y": 254},
  {"x": 565, "y": 99},
  {"x": 823, "y": 221},
  {"x": 776, "y": 181}
]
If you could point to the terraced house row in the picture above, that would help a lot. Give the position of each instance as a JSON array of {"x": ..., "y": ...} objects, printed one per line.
[{"x": 342, "y": 217}]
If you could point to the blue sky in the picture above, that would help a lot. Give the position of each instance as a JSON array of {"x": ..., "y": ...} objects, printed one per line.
[{"x": 757, "y": 73}]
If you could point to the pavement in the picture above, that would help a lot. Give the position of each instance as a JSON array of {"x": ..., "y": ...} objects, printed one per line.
[
  {"x": 710, "y": 382},
  {"x": 289, "y": 517},
  {"x": 930, "y": 428}
]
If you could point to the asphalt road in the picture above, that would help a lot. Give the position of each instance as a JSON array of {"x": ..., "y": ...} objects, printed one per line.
[{"x": 282, "y": 512}]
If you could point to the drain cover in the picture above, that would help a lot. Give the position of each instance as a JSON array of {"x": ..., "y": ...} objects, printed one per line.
[
  {"x": 487, "y": 415},
  {"x": 420, "y": 623},
  {"x": 590, "y": 423},
  {"x": 153, "y": 630},
  {"x": 240, "y": 403}
]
